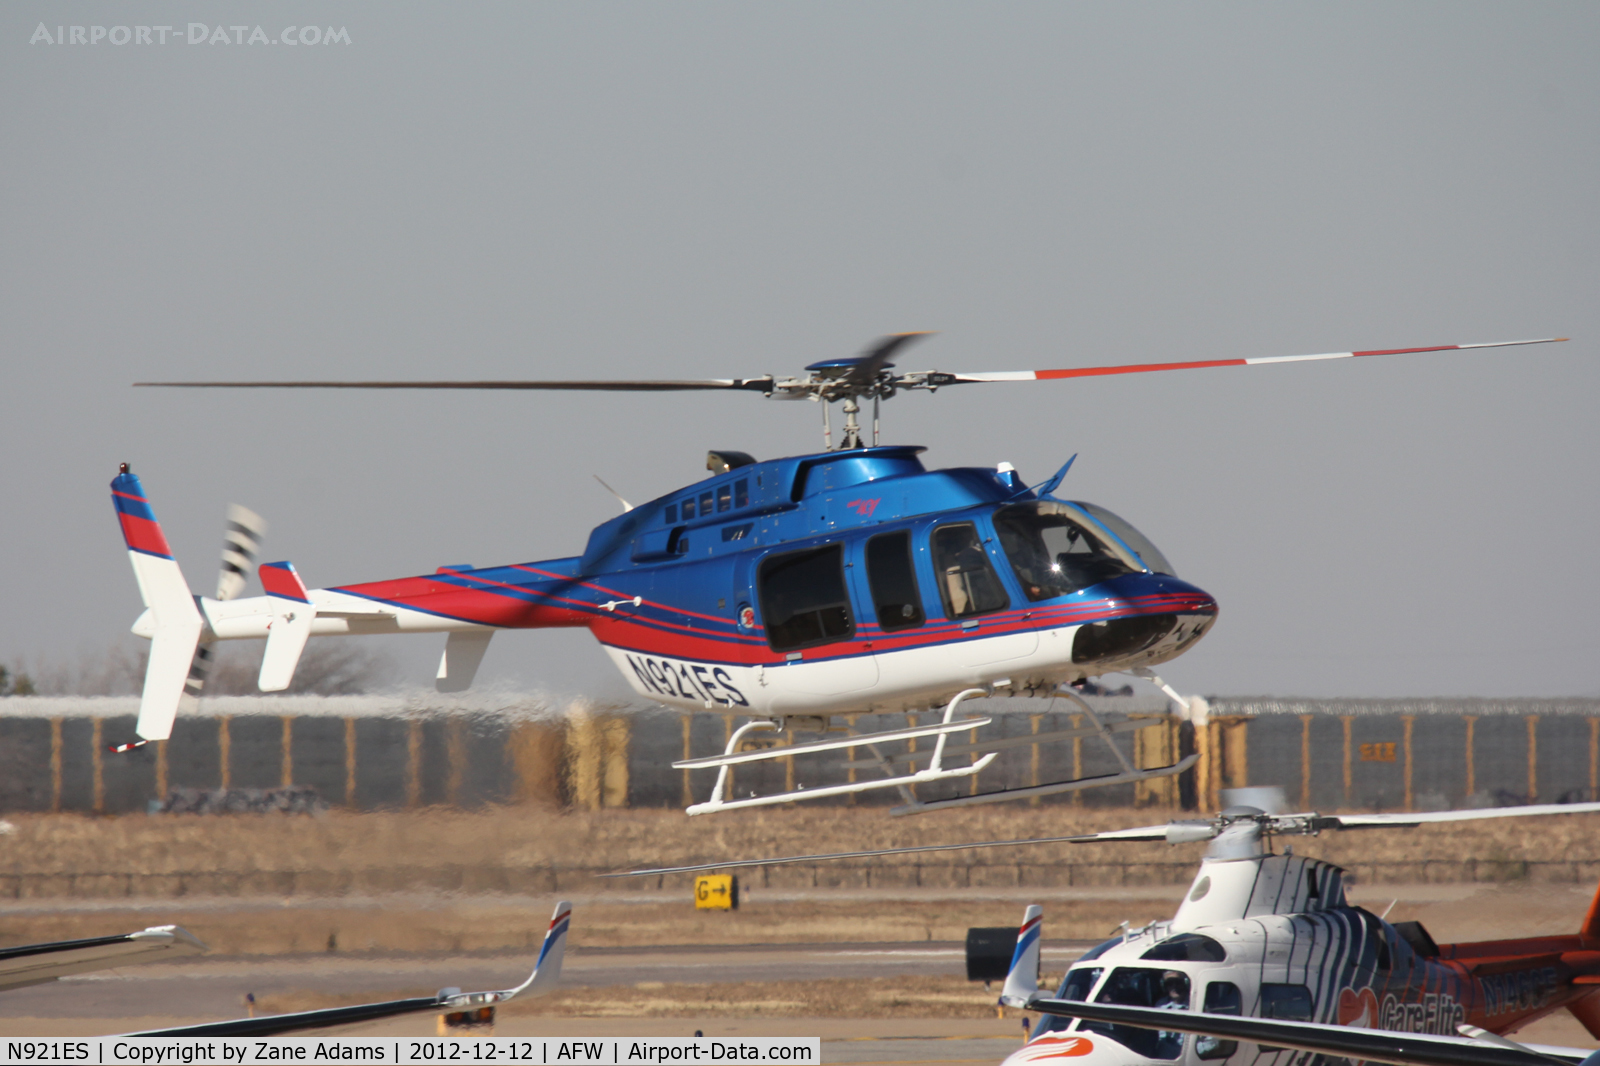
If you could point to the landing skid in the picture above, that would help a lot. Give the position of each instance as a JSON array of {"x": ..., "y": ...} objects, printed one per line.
[
  {"x": 719, "y": 800},
  {"x": 936, "y": 770}
]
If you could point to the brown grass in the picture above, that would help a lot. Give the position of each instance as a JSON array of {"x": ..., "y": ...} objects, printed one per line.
[
  {"x": 396, "y": 850},
  {"x": 444, "y": 881}
]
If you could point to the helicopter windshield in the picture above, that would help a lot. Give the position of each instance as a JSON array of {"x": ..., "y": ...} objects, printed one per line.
[
  {"x": 1077, "y": 985},
  {"x": 1135, "y": 986},
  {"x": 1055, "y": 551},
  {"x": 1149, "y": 553}
]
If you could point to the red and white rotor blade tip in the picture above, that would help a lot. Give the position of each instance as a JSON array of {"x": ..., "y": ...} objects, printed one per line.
[{"x": 1145, "y": 368}]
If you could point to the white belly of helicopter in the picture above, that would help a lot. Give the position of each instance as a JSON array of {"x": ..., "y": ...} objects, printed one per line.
[{"x": 904, "y": 679}]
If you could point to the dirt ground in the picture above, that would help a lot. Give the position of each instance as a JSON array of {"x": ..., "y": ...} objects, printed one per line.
[
  {"x": 340, "y": 853},
  {"x": 438, "y": 883}
]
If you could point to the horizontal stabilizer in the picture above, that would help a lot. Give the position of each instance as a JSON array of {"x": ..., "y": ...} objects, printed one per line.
[
  {"x": 463, "y": 652},
  {"x": 171, "y": 652},
  {"x": 290, "y": 627}
]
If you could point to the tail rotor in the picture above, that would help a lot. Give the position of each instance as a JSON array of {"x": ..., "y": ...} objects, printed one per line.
[
  {"x": 241, "y": 543},
  {"x": 242, "y": 535}
]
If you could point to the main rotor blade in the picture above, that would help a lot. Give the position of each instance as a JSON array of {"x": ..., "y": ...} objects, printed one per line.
[
  {"x": 752, "y": 385},
  {"x": 1408, "y": 821},
  {"x": 1145, "y": 832},
  {"x": 877, "y": 357},
  {"x": 1145, "y": 368}
]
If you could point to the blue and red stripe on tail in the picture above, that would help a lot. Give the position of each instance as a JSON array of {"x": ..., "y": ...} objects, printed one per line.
[{"x": 140, "y": 530}]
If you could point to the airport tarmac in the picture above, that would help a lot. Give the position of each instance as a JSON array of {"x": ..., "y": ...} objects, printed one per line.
[
  {"x": 189, "y": 991},
  {"x": 215, "y": 987},
  {"x": 193, "y": 990}
]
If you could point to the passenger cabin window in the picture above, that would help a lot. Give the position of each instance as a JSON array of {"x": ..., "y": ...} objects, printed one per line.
[
  {"x": 688, "y": 508},
  {"x": 741, "y": 492},
  {"x": 803, "y": 598},
  {"x": 893, "y": 581},
  {"x": 1222, "y": 997},
  {"x": 705, "y": 505},
  {"x": 967, "y": 582},
  {"x": 724, "y": 497},
  {"x": 1054, "y": 552},
  {"x": 1136, "y": 986},
  {"x": 1291, "y": 1003}
]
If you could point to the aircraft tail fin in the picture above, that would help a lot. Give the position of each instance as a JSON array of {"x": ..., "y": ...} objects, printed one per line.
[
  {"x": 1587, "y": 1008},
  {"x": 1589, "y": 931},
  {"x": 546, "y": 971},
  {"x": 1022, "y": 980},
  {"x": 177, "y": 621}
]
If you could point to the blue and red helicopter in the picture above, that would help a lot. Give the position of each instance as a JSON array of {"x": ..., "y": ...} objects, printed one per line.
[{"x": 791, "y": 591}]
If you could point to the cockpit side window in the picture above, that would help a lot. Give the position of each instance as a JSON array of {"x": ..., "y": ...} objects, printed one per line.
[
  {"x": 967, "y": 581},
  {"x": 1080, "y": 982},
  {"x": 1054, "y": 552},
  {"x": 1077, "y": 985}
]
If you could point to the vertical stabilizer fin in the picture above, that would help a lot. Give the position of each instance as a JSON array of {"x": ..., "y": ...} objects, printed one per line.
[
  {"x": 290, "y": 628},
  {"x": 463, "y": 652},
  {"x": 547, "y": 971},
  {"x": 1022, "y": 980},
  {"x": 177, "y": 621},
  {"x": 1589, "y": 931}
]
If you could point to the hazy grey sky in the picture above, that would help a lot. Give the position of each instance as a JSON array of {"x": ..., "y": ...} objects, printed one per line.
[{"x": 594, "y": 189}]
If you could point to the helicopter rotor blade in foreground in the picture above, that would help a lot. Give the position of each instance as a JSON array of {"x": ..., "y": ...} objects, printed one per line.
[
  {"x": 864, "y": 374},
  {"x": 869, "y": 375},
  {"x": 1145, "y": 368},
  {"x": 1311, "y": 823},
  {"x": 1183, "y": 832},
  {"x": 620, "y": 385}
]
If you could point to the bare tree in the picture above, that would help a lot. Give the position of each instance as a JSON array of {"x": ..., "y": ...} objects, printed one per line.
[{"x": 330, "y": 666}]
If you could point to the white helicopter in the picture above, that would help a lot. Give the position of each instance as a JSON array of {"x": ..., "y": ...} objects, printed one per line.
[
  {"x": 1474, "y": 1047},
  {"x": 1272, "y": 936}
]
